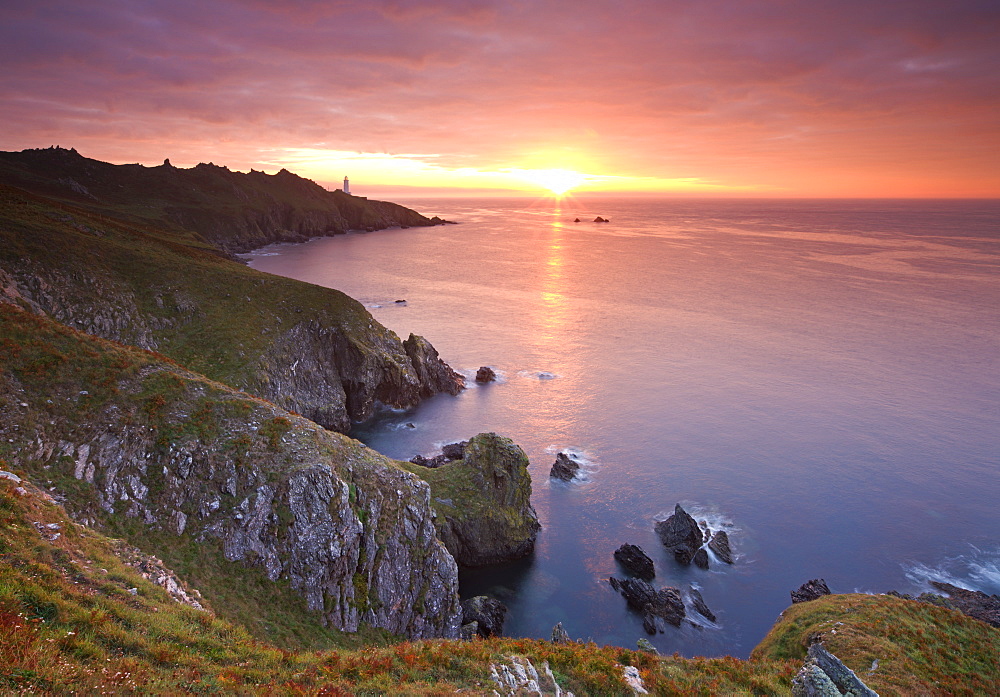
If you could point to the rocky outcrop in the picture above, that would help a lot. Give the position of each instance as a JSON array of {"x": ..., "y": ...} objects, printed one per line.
[
  {"x": 825, "y": 675},
  {"x": 635, "y": 561},
  {"x": 433, "y": 374},
  {"x": 975, "y": 604},
  {"x": 720, "y": 545},
  {"x": 655, "y": 606},
  {"x": 450, "y": 452},
  {"x": 483, "y": 502},
  {"x": 559, "y": 635},
  {"x": 695, "y": 599},
  {"x": 810, "y": 590},
  {"x": 136, "y": 438},
  {"x": 487, "y": 613},
  {"x": 565, "y": 468},
  {"x": 681, "y": 535}
]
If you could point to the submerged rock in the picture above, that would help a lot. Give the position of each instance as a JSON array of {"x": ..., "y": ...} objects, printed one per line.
[
  {"x": 487, "y": 614},
  {"x": 486, "y": 374},
  {"x": 489, "y": 518},
  {"x": 564, "y": 468},
  {"x": 720, "y": 545},
  {"x": 810, "y": 590},
  {"x": 663, "y": 604},
  {"x": 681, "y": 535},
  {"x": 635, "y": 561}
]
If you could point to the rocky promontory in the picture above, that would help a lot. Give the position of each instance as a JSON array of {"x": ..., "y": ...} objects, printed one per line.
[{"x": 483, "y": 502}]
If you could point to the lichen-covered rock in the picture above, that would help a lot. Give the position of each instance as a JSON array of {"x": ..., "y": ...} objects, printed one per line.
[
  {"x": 825, "y": 675},
  {"x": 125, "y": 436},
  {"x": 483, "y": 502}
]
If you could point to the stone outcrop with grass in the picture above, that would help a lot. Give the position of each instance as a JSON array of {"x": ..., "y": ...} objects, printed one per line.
[
  {"x": 185, "y": 466},
  {"x": 483, "y": 502}
]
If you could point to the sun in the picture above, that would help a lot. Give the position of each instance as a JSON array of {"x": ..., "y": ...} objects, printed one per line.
[{"x": 558, "y": 181}]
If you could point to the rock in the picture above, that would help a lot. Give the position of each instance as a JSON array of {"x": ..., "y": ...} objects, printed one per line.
[
  {"x": 432, "y": 462},
  {"x": 560, "y": 635},
  {"x": 599, "y": 219},
  {"x": 469, "y": 631},
  {"x": 577, "y": 220},
  {"x": 485, "y": 374},
  {"x": 400, "y": 302},
  {"x": 433, "y": 374},
  {"x": 700, "y": 558},
  {"x": 635, "y": 561},
  {"x": 488, "y": 614},
  {"x": 810, "y": 590},
  {"x": 643, "y": 645},
  {"x": 975, "y": 604},
  {"x": 454, "y": 451},
  {"x": 492, "y": 519},
  {"x": 564, "y": 468},
  {"x": 720, "y": 545},
  {"x": 825, "y": 675},
  {"x": 698, "y": 603},
  {"x": 680, "y": 534},
  {"x": 664, "y": 604}
]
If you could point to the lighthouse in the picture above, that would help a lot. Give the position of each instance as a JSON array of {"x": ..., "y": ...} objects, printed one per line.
[{"x": 347, "y": 186}]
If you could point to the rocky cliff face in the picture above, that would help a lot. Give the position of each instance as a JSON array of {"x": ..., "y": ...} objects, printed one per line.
[
  {"x": 311, "y": 350},
  {"x": 133, "y": 442},
  {"x": 483, "y": 502}
]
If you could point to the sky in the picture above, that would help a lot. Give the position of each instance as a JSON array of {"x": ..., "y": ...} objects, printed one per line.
[{"x": 773, "y": 98}]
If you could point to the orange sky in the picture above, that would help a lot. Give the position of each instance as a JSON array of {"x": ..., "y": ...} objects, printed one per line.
[{"x": 700, "y": 97}]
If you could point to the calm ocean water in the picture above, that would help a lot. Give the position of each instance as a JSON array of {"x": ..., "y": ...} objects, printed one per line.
[{"x": 822, "y": 376}]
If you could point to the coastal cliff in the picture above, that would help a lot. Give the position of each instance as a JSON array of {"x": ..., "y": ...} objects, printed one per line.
[
  {"x": 311, "y": 350},
  {"x": 136, "y": 444},
  {"x": 231, "y": 211}
]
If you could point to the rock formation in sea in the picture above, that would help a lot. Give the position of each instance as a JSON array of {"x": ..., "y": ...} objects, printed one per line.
[
  {"x": 634, "y": 560},
  {"x": 655, "y": 606},
  {"x": 720, "y": 545},
  {"x": 681, "y": 535},
  {"x": 565, "y": 468},
  {"x": 976, "y": 604},
  {"x": 486, "y": 374},
  {"x": 433, "y": 374},
  {"x": 483, "y": 502}
]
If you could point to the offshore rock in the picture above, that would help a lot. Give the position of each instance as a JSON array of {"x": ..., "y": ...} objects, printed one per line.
[
  {"x": 699, "y": 604},
  {"x": 664, "y": 604},
  {"x": 205, "y": 465},
  {"x": 486, "y": 374},
  {"x": 488, "y": 613},
  {"x": 434, "y": 374},
  {"x": 564, "y": 468},
  {"x": 720, "y": 545},
  {"x": 700, "y": 558},
  {"x": 560, "y": 635},
  {"x": 680, "y": 534},
  {"x": 810, "y": 590},
  {"x": 635, "y": 561},
  {"x": 483, "y": 502},
  {"x": 975, "y": 604}
]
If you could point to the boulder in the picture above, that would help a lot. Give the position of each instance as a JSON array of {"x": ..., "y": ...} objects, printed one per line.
[
  {"x": 810, "y": 590},
  {"x": 487, "y": 613},
  {"x": 564, "y": 468},
  {"x": 975, "y": 604},
  {"x": 720, "y": 545},
  {"x": 483, "y": 502},
  {"x": 486, "y": 374},
  {"x": 635, "y": 561},
  {"x": 680, "y": 534},
  {"x": 663, "y": 604},
  {"x": 560, "y": 635}
]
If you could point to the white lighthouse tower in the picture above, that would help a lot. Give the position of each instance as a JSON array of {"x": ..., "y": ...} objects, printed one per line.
[{"x": 347, "y": 186}]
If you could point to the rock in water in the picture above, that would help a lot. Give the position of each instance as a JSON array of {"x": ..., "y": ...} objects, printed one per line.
[
  {"x": 701, "y": 558},
  {"x": 665, "y": 603},
  {"x": 434, "y": 374},
  {"x": 487, "y": 613},
  {"x": 483, "y": 502},
  {"x": 564, "y": 468},
  {"x": 810, "y": 590},
  {"x": 635, "y": 561},
  {"x": 485, "y": 374},
  {"x": 560, "y": 635},
  {"x": 680, "y": 534},
  {"x": 698, "y": 602},
  {"x": 975, "y": 604},
  {"x": 720, "y": 545}
]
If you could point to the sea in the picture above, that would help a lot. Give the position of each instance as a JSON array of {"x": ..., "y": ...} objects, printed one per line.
[{"x": 819, "y": 378}]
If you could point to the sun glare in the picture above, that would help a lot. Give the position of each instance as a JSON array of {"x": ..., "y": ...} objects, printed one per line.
[{"x": 558, "y": 181}]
